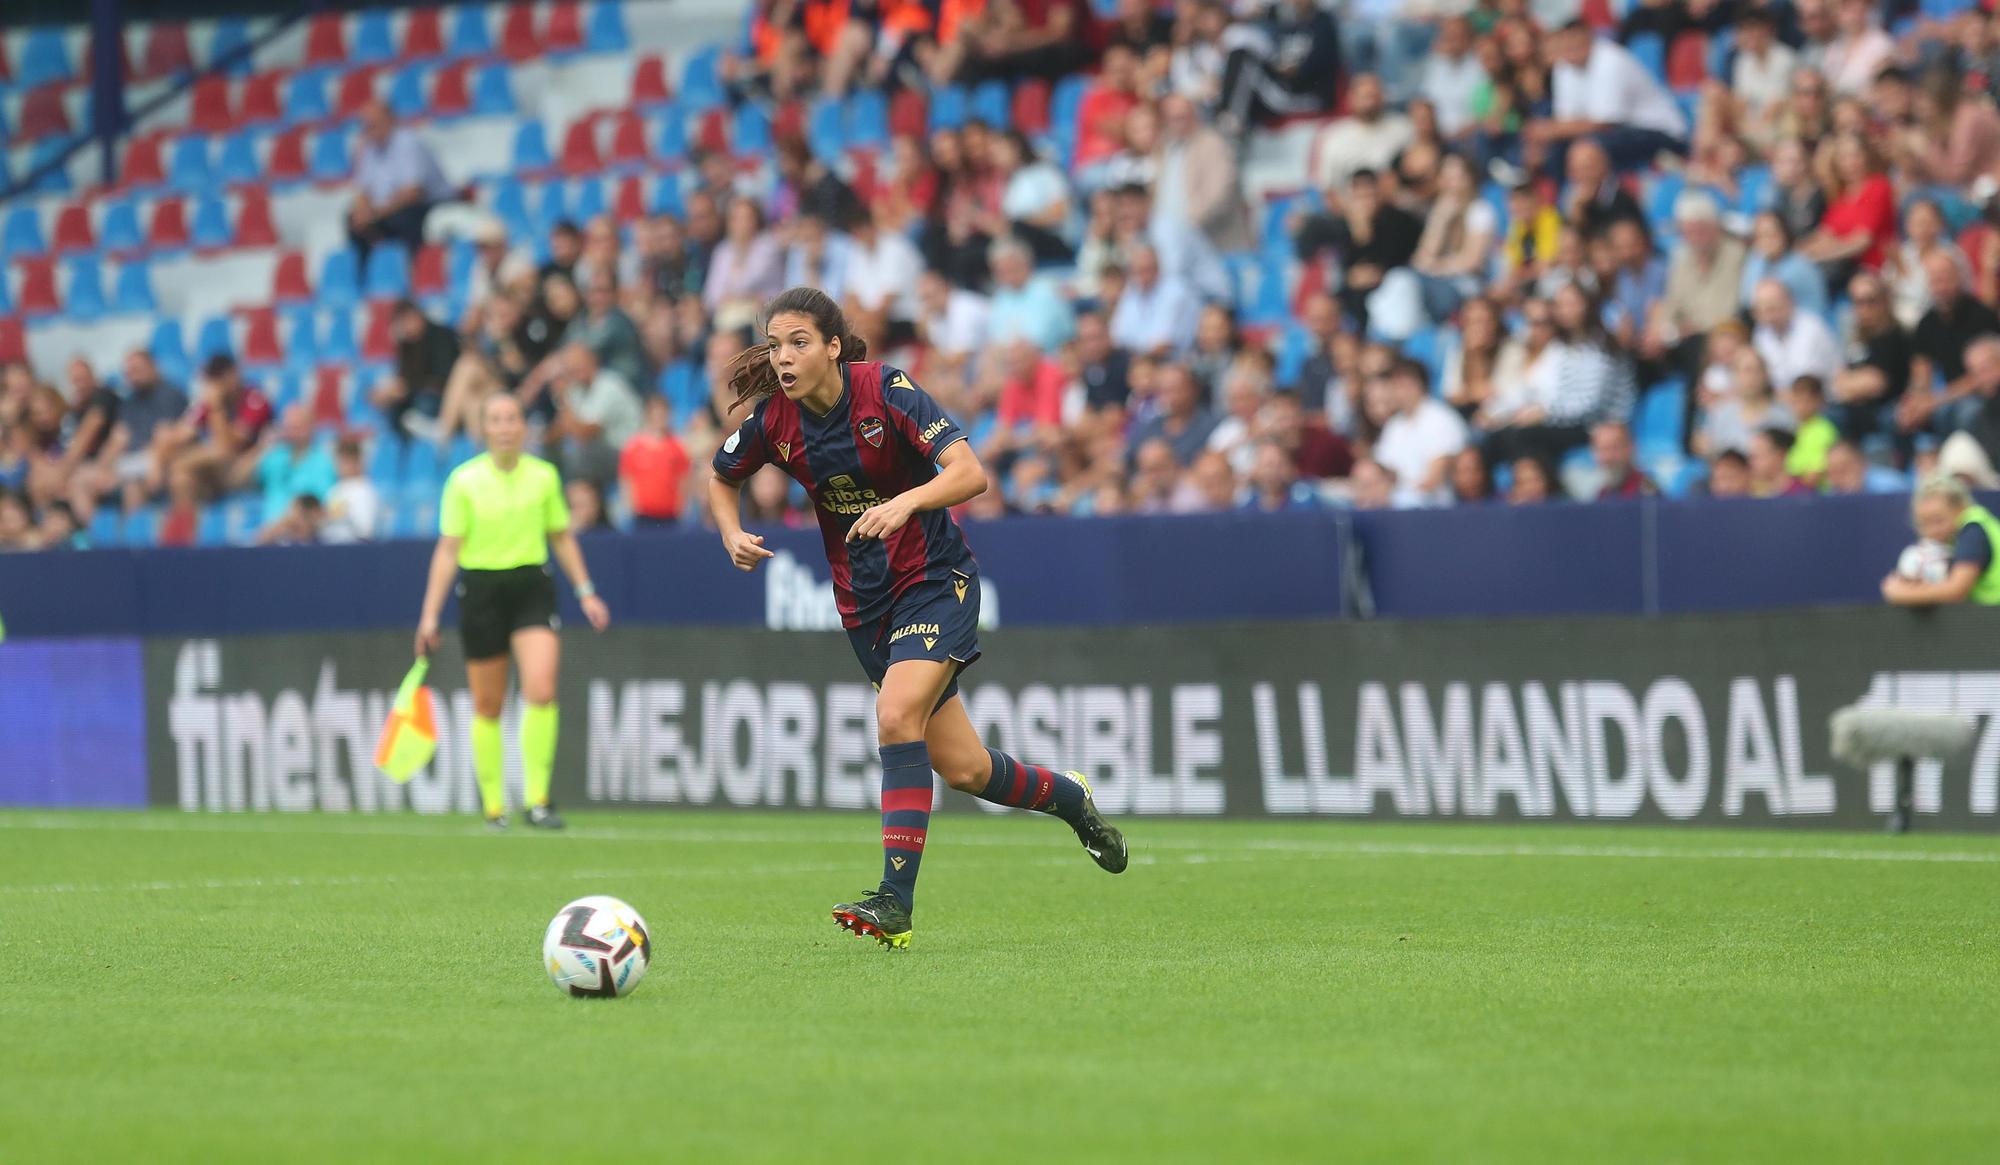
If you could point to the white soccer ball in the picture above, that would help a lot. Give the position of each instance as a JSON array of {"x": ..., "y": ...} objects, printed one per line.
[
  {"x": 597, "y": 947},
  {"x": 1925, "y": 561}
]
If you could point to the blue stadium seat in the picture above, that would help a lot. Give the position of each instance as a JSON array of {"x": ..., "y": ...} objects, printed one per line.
[
  {"x": 385, "y": 463},
  {"x": 1883, "y": 479},
  {"x": 673, "y": 134},
  {"x": 751, "y": 132},
  {"x": 492, "y": 95},
  {"x": 187, "y": 165},
  {"x": 667, "y": 196},
  {"x": 1660, "y": 201},
  {"x": 209, "y": 527},
  {"x": 340, "y": 279},
  {"x": 213, "y": 340},
  {"x": 135, "y": 289},
  {"x": 120, "y": 230},
  {"x": 210, "y": 229},
  {"x": 1294, "y": 349},
  {"x": 330, "y": 155},
  {"x": 388, "y": 274},
  {"x": 236, "y": 161},
  {"x": 372, "y": 40},
  {"x": 141, "y": 527},
  {"x": 588, "y": 201},
  {"x": 1753, "y": 189},
  {"x": 1659, "y": 426},
  {"x": 286, "y": 388},
  {"x": 471, "y": 35},
  {"x": 1271, "y": 305},
  {"x": 232, "y": 34},
  {"x": 85, "y": 299},
  {"x": 1063, "y": 104},
  {"x": 49, "y": 152},
  {"x": 604, "y": 31},
  {"x": 336, "y": 339},
  {"x": 1276, "y": 237},
  {"x": 947, "y": 108},
  {"x": 459, "y": 260},
  {"x": 510, "y": 204},
  {"x": 106, "y": 528},
  {"x": 825, "y": 131},
  {"x": 531, "y": 148},
  {"x": 406, "y": 91},
  {"x": 680, "y": 383},
  {"x": 306, "y": 99},
  {"x": 1651, "y": 52},
  {"x": 1721, "y": 52},
  {"x": 993, "y": 104},
  {"x": 6, "y": 304},
  {"x": 552, "y": 208},
  {"x": 1685, "y": 480},
  {"x": 242, "y": 517},
  {"x": 461, "y": 450},
  {"x": 169, "y": 349},
  {"x": 1422, "y": 346},
  {"x": 44, "y": 58},
  {"x": 701, "y": 80},
  {"x": 22, "y": 235},
  {"x": 867, "y": 121},
  {"x": 296, "y": 328}
]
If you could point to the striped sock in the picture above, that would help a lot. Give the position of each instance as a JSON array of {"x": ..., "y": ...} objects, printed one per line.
[
  {"x": 1026, "y": 786},
  {"x": 906, "y": 814}
]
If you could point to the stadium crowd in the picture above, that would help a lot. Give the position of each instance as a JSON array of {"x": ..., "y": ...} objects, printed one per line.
[{"x": 1512, "y": 230}]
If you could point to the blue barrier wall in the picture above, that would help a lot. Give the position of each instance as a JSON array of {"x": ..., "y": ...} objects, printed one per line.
[{"x": 1642, "y": 557}]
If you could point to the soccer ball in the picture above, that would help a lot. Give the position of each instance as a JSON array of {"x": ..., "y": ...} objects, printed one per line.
[
  {"x": 1925, "y": 561},
  {"x": 597, "y": 947}
]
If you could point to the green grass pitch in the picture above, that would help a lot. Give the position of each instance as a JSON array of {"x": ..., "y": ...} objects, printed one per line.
[{"x": 345, "y": 989}]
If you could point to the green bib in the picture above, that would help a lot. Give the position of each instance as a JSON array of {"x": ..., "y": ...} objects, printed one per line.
[{"x": 1986, "y": 591}]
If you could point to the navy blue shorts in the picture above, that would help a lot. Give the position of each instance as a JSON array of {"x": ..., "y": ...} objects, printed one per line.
[{"x": 932, "y": 620}]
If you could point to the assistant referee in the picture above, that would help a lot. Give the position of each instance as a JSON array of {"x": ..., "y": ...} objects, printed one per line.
[{"x": 501, "y": 515}]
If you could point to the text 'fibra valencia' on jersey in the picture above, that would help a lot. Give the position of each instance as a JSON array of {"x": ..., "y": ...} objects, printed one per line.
[{"x": 882, "y": 439}]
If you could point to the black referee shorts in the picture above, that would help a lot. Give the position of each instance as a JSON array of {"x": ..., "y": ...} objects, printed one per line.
[{"x": 493, "y": 604}]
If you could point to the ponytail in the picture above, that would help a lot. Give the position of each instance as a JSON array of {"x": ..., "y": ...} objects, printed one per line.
[{"x": 751, "y": 376}]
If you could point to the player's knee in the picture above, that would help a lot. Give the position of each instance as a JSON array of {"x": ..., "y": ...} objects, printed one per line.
[
  {"x": 489, "y": 709},
  {"x": 963, "y": 777},
  {"x": 899, "y": 725},
  {"x": 538, "y": 691}
]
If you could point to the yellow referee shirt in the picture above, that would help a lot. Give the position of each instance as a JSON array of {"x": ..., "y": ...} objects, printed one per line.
[{"x": 503, "y": 518}]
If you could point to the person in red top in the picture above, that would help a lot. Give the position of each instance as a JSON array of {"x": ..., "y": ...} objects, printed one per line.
[
  {"x": 223, "y": 427},
  {"x": 1011, "y": 39},
  {"x": 1033, "y": 393},
  {"x": 1859, "y": 226},
  {"x": 1100, "y": 116},
  {"x": 653, "y": 468}
]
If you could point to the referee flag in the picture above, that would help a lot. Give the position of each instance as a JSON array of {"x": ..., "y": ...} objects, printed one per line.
[{"x": 409, "y": 739}]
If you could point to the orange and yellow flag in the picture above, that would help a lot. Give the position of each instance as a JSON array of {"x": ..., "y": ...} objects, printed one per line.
[{"x": 409, "y": 739}]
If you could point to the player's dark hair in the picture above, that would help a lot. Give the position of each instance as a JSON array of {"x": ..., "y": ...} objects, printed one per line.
[{"x": 751, "y": 376}]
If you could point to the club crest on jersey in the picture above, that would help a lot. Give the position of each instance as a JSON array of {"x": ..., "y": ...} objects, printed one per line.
[
  {"x": 871, "y": 431},
  {"x": 784, "y": 450}
]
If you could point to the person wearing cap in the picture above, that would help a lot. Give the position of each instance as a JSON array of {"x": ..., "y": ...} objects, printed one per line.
[
  {"x": 1704, "y": 286},
  {"x": 1943, "y": 511}
]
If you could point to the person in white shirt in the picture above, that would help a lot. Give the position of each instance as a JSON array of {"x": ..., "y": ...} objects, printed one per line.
[
  {"x": 1859, "y": 50},
  {"x": 1423, "y": 433},
  {"x": 1599, "y": 90},
  {"x": 882, "y": 270},
  {"x": 353, "y": 506},
  {"x": 1762, "y": 74},
  {"x": 1452, "y": 75},
  {"x": 952, "y": 320},
  {"x": 1793, "y": 343},
  {"x": 1155, "y": 314},
  {"x": 597, "y": 411},
  {"x": 1368, "y": 138}
]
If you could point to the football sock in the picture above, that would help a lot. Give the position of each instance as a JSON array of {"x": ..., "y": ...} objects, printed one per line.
[
  {"x": 538, "y": 751},
  {"x": 906, "y": 814},
  {"x": 489, "y": 766},
  {"x": 1026, "y": 786}
]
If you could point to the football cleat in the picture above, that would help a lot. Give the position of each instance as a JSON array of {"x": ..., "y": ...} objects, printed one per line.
[
  {"x": 543, "y": 817},
  {"x": 879, "y": 915},
  {"x": 1101, "y": 840},
  {"x": 497, "y": 824}
]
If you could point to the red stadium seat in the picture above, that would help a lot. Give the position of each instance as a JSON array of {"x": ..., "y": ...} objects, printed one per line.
[
  {"x": 254, "y": 227},
  {"x": 518, "y": 40},
  {"x": 451, "y": 91},
  {"x": 290, "y": 283},
  {"x": 262, "y": 101},
  {"x": 211, "y": 112},
  {"x": 144, "y": 163},
  {"x": 1598, "y": 14},
  {"x": 1687, "y": 61},
  {"x": 427, "y": 273},
  {"x": 73, "y": 231},
  {"x": 260, "y": 337},
  {"x": 42, "y": 114},
  {"x": 13, "y": 339},
  {"x": 629, "y": 205},
  {"x": 327, "y": 405},
  {"x": 579, "y": 152},
  {"x": 378, "y": 342},
  {"x": 908, "y": 112},
  {"x": 357, "y": 88},
  {"x": 166, "y": 52},
  {"x": 628, "y": 141},
  {"x": 1030, "y": 112},
  {"x": 788, "y": 122},
  {"x": 326, "y": 40},
  {"x": 38, "y": 288},
  {"x": 712, "y": 134},
  {"x": 169, "y": 227},
  {"x": 649, "y": 82},
  {"x": 423, "y": 36},
  {"x": 565, "y": 31},
  {"x": 288, "y": 156}
]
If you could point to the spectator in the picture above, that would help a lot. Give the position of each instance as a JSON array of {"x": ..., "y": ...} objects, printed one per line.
[
  {"x": 1768, "y": 477},
  {"x": 1198, "y": 63},
  {"x": 1208, "y": 488},
  {"x": 951, "y": 322},
  {"x": 1103, "y": 367},
  {"x": 1594, "y": 198},
  {"x": 1243, "y": 394},
  {"x": 1034, "y": 200},
  {"x": 1858, "y": 51},
  {"x": 1011, "y": 39},
  {"x": 1198, "y": 209},
  {"x": 1522, "y": 370},
  {"x": 1100, "y": 116},
  {"x": 1450, "y": 261},
  {"x": 1471, "y": 477},
  {"x": 290, "y": 464},
  {"x": 746, "y": 269},
  {"x": 1957, "y": 138},
  {"x": 1704, "y": 282},
  {"x": 1977, "y": 447},
  {"x": 85, "y": 462},
  {"x": 490, "y": 256},
  {"x": 1943, "y": 511},
  {"x": 1367, "y": 139},
  {"x": 1924, "y": 232},
  {"x": 1601, "y": 91},
  {"x": 396, "y": 182},
  {"x": 1452, "y": 76},
  {"x": 653, "y": 468},
  {"x": 604, "y": 253},
  {"x": 1024, "y": 306},
  {"x": 1793, "y": 343},
  {"x": 1275, "y": 484},
  {"x": 1879, "y": 354},
  {"x": 597, "y": 411},
  {"x": 586, "y": 506},
  {"x": 703, "y": 220},
  {"x": 1215, "y": 347},
  {"x": 1421, "y": 433},
  {"x": 1321, "y": 324},
  {"x": 353, "y": 506},
  {"x": 412, "y": 400},
  {"x": 1316, "y": 450},
  {"x": 1288, "y": 66},
  {"x": 1814, "y": 436},
  {"x": 1797, "y": 200},
  {"x": 1860, "y": 220},
  {"x": 1586, "y": 379},
  {"x": 1761, "y": 71},
  {"x": 218, "y": 442},
  {"x": 1156, "y": 313},
  {"x": 17, "y": 526},
  {"x": 608, "y": 331},
  {"x": 882, "y": 273},
  {"x": 1729, "y": 475},
  {"x": 129, "y": 462},
  {"x": 508, "y": 348},
  {"x": 808, "y": 188},
  {"x": 48, "y": 466},
  {"x": 1466, "y": 381},
  {"x": 665, "y": 265},
  {"x": 1533, "y": 482},
  {"x": 1846, "y": 470},
  {"x": 1373, "y": 487},
  {"x": 1182, "y": 424},
  {"x": 1618, "y": 474},
  {"x": 816, "y": 257},
  {"x": 1942, "y": 338},
  {"x": 1771, "y": 257},
  {"x": 303, "y": 523},
  {"x": 565, "y": 252},
  {"x": 1032, "y": 396},
  {"x": 1369, "y": 237},
  {"x": 1635, "y": 284},
  {"x": 1749, "y": 404},
  {"x": 1534, "y": 233}
]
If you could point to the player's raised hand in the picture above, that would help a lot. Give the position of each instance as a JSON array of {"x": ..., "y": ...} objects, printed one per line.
[
  {"x": 880, "y": 521},
  {"x": 746, "y": 550}
]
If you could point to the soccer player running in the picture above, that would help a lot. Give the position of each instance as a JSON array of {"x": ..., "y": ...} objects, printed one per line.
[
  {"x": 501, "y": 515},
  {"x": 883, "y": 464}
]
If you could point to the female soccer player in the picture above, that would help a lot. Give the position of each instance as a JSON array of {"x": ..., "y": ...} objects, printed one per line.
[
  {"x": 883, "y": 463},
  {"x": 502, "y": 514}
]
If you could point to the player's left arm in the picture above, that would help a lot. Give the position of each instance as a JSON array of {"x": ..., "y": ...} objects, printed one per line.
[
  {"x": 1956, "y": 587},
  {"x": 960, "y": 478}
]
